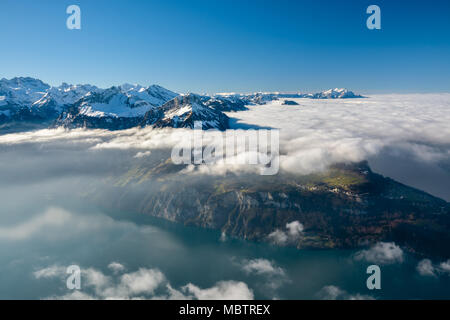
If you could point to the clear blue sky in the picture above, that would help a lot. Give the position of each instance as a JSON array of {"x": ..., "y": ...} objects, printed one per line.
[{"x": 235, "y": 45}]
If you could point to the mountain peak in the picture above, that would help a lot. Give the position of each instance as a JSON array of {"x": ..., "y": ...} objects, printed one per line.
[{"x": 183, "y": 111}]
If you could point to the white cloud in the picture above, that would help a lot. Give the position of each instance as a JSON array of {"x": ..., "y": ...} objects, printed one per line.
[
  {"x": 143, "y": 281},
  {"x": 224, "y": 290},
  {"x": 336, "y": 293},
  {"x": 278, "y": 237},
  {"x": 295, "y": 229},
  {"x": 262, "y": 267},
  {"x": 382, "y": 253},
  {"x": 116, "y": 267},
  {"x": 293, "y": 232},
  {"x": 274, "y": 276},
  {"x": 330, "y": 292},
  {"x": 96, "y": 279},
  {"x": 97, "y": 285},
  {"x": 49, "y": 272},
  {"x": 320, "y": 133},
  {"x": 425, "y": 268},
  {"x": 445, "y": 266},
  {"x": 142, "y": 284},
  {"x": 142, "y": 154}
]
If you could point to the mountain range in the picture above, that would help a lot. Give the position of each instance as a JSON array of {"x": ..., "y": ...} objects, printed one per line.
[{"x": 30, "y": 103}]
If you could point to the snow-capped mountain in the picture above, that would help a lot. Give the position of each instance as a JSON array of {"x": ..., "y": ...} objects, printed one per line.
[
  {"x": 28, "y": 100},
  {"x": 153, "y": 96},
  {"x": 30, "y": 103},
  {"x": 334, "y": 94},
  {"x": 64, "y": 95},
  {"x": 33, "y": 101},
  {"x": 17, "y": 96},
  {"x": 21, "y": 91},
  {"x": 57, "y": 99},
  {"x": 114, "y": 108},
  {"x": 183, "y": 111},
  {"x": 259, "y": 98},
  {"x": 225, "y": 104}
]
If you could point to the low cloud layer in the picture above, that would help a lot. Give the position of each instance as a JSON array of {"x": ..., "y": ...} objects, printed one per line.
[
  {"x": 262, "y": 267},
  {"x": 313, "y": 135},
  {"x": 290, "y": 235},
  {"x": 318, "y": 133},
  {"x": 51, "y": 218},
  {"x": 273, "y": 275},
  {"x": 58, "y": 224},
  {"x": 381, "y": 253},
  {"x": 427, "y": 268},
  {"x": 143, "y": 283}
]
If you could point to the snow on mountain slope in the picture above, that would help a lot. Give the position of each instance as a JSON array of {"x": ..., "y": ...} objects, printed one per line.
[
  {"x": 21, "y": 91},
  {"x": 125, "y": 101},
  {"x": 335, "y": 94},
  {"x": 153, "y": 96},
  {"x": 114, "y": 108},
  {"x": 63, "y": 95},
  {"x": 31, "y": 101},
  {"x": 112, "y": 102},
  {"x": 225, "y": 104},
  {"x": 16, "y": 98},
  {"x": 183, "y": 111},
  {"x": 26, "y": 98},
  {"x": 261, "y": 98}
]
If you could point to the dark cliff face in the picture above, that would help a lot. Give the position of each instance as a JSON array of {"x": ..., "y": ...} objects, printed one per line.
[{"x": 347, "y": 207}]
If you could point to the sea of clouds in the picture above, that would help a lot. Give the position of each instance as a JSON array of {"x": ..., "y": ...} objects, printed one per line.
[{"x": 393, "y": 130}]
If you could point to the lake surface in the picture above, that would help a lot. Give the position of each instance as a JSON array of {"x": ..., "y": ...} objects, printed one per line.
[{"x": 92, "y": 239}]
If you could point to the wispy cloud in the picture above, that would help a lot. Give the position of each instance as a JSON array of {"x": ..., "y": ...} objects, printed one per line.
[
  {"x": 57, "y": 224},
  {"x": 51, "y": 218}
]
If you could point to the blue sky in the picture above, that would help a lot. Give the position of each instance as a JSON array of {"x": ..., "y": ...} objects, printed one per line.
[{"x": 235, "y": 45}]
